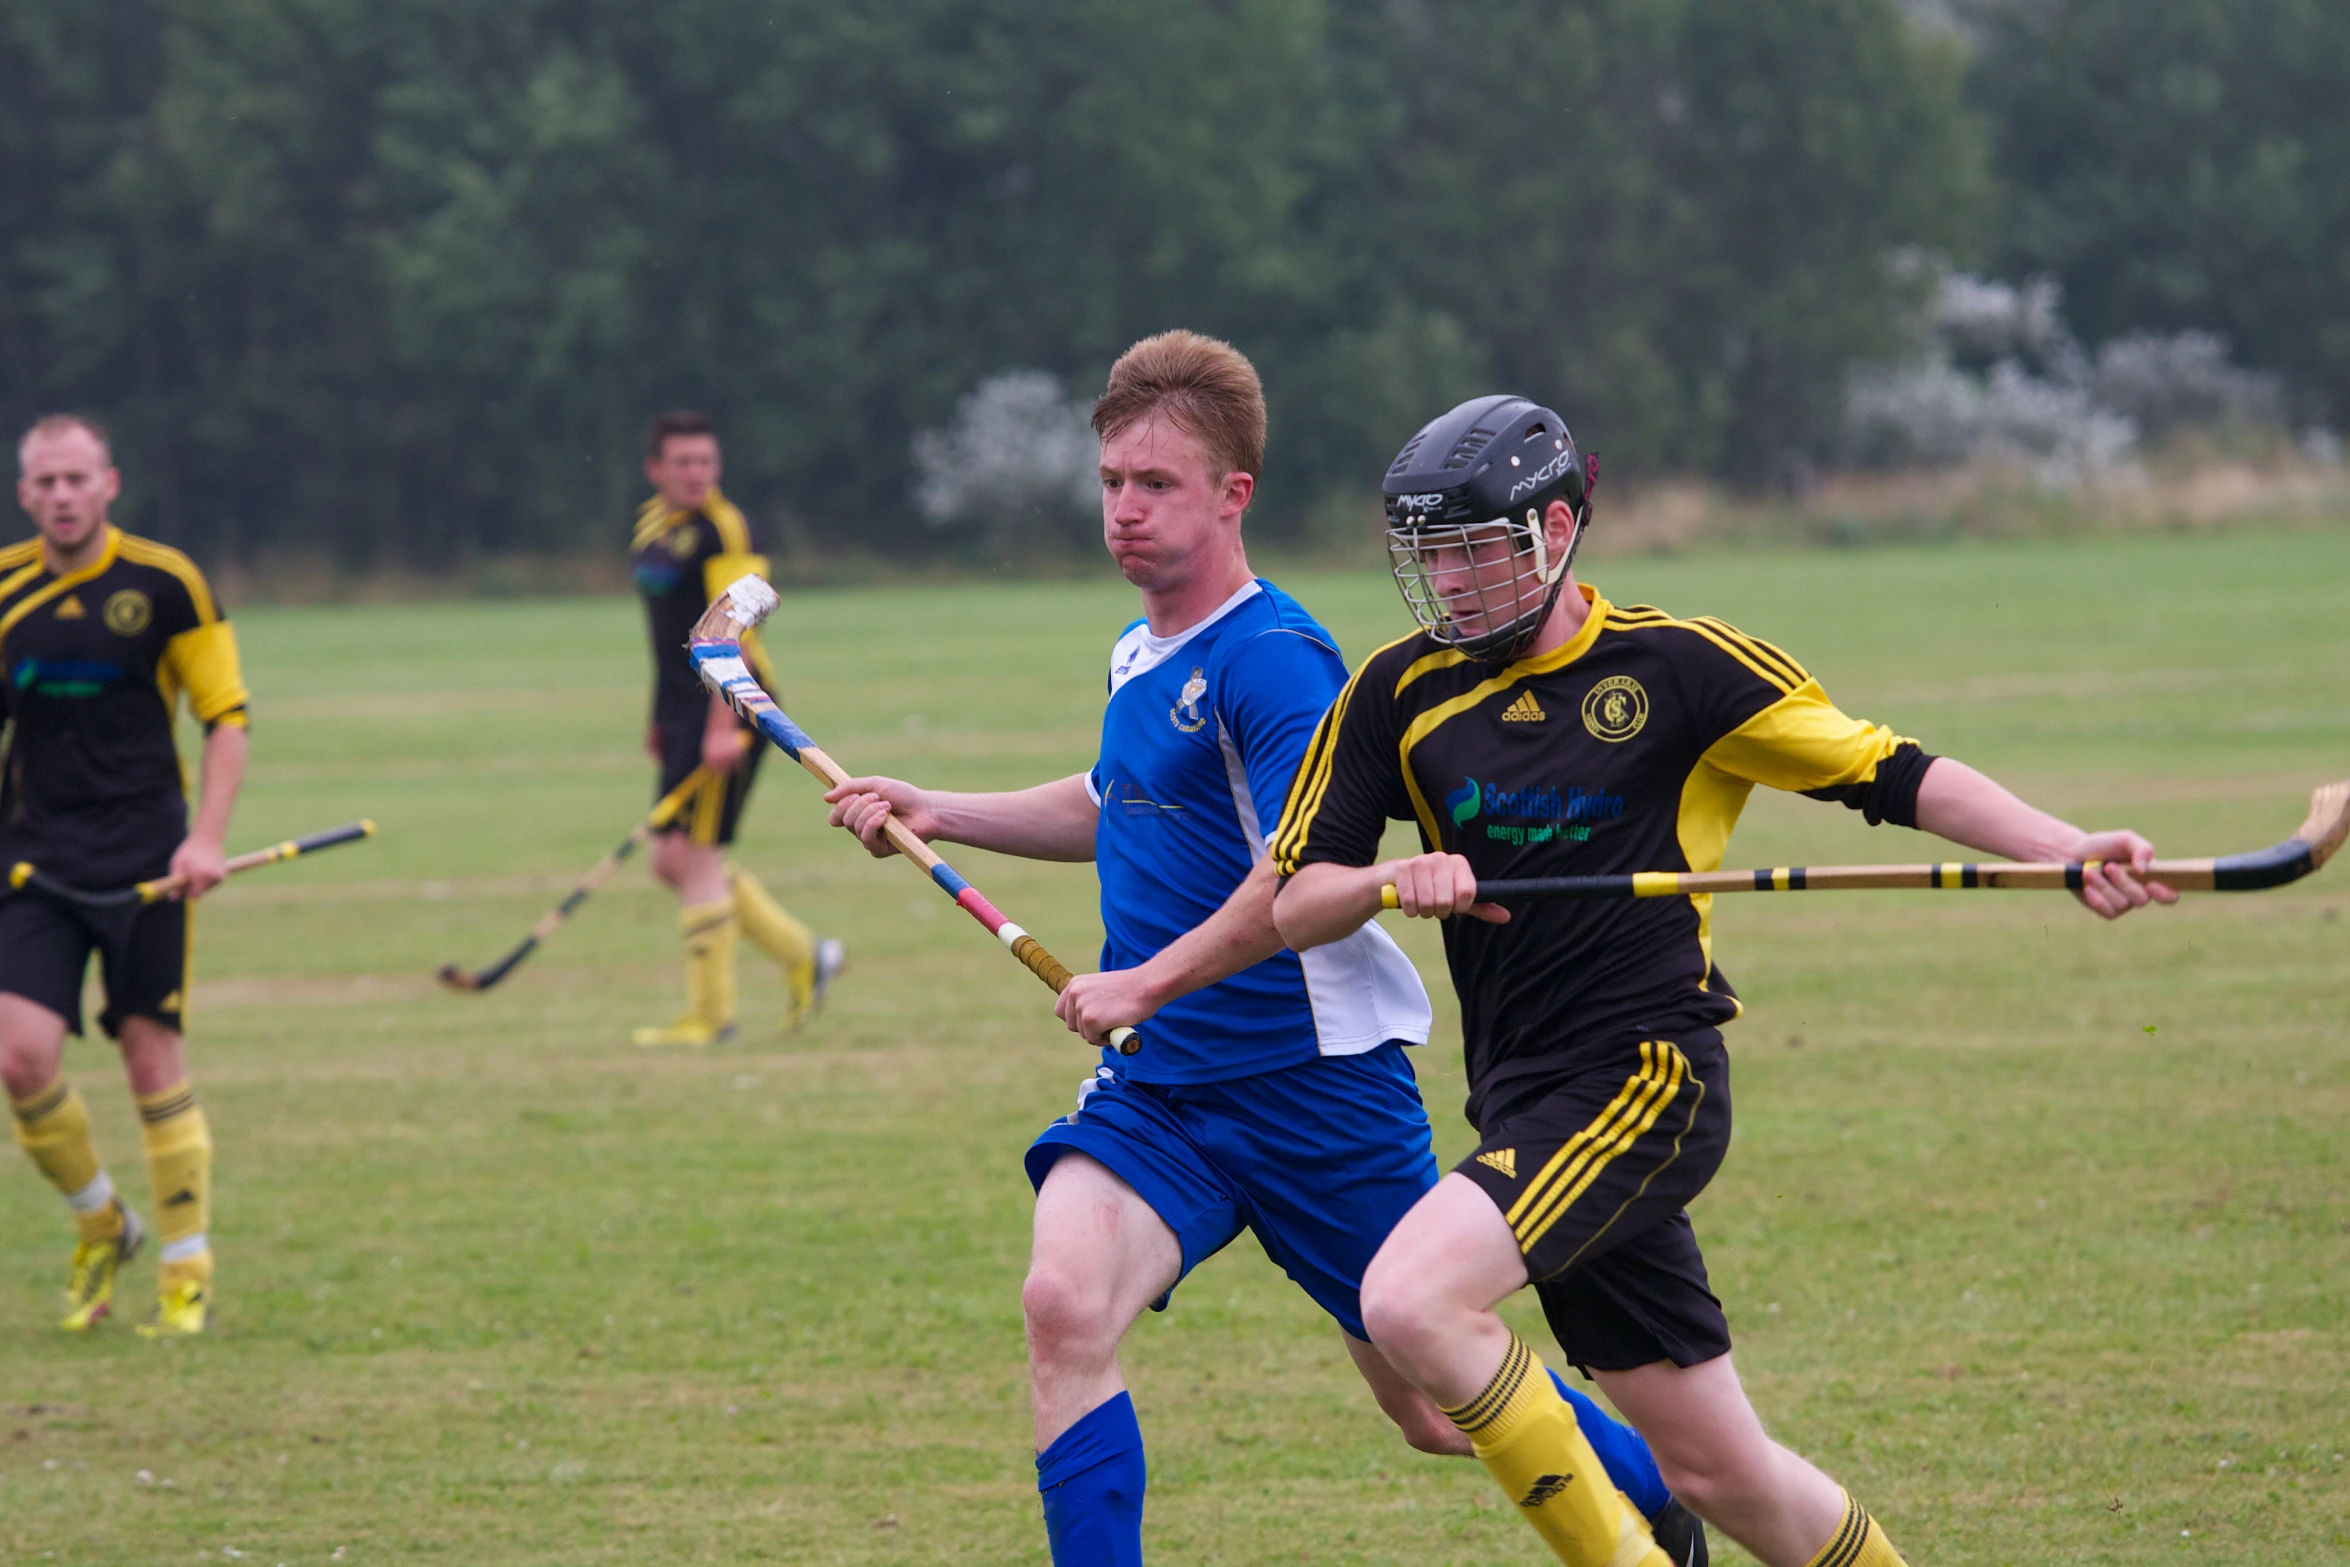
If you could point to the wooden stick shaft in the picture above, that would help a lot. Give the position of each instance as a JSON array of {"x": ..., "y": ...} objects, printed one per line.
[
  {"x": 717, "y": 658},
  {"x": 664, "y": 812},
  {"x": 2322, "y": 833},
  {"x": 2287, "y": 862},
  {"x": 291, "y": 849}
]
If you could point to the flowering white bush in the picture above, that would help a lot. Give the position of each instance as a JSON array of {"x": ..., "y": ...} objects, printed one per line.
[
  {"x": 1016, "y": 454},
  {"x": 2183, "y": 382},
  {"x": 2000, "y": 377},
  {"x": 1982, "y": 318},
  {"x": 1938, "y": 415}
]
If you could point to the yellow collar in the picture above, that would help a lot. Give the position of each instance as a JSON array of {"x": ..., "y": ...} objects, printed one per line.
[
  {"x": 1575, "y": 646},
  {"x": 106, "y": 558}
]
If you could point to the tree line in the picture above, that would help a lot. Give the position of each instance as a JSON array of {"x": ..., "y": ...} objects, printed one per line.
[{"x": 399, "y": 281}]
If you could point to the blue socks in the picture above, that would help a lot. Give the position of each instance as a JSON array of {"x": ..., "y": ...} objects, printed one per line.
[
  {"x": 1091, "y": 1480},
  {"x": 1621, "y": 1452}
]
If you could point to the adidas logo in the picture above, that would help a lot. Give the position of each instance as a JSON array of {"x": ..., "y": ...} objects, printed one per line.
[
  {"x": 1503, "y": 1159},
  {"x": 71, "y": 609},
  {"x": 1525, "y": 710},
  {"x": 1546, "y": 1488},
  {"x": 179, "y": 1199}
]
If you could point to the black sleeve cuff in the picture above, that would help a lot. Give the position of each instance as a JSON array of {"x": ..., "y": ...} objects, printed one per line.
[{"x": 1891, "y": 796}]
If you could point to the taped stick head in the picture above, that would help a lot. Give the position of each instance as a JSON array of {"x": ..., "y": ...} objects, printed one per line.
[
  {"x": 456, "y": 978},
  {"x": 2329, "y": 821},
  {"x": 746, "y": 602}
]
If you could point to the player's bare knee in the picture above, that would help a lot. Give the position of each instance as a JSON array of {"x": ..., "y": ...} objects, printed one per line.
[
  {"x": 24, "y": 1074},
  {"x": 1715, "y": 1479},
  {"x": 27, "y": 1065},
  {"x": 1068, "y": 1319},
  {"x": 1403, "y": 1311}
]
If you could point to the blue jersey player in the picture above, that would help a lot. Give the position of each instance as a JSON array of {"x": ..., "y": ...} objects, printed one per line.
[{"x": 1272, "y": 1093}]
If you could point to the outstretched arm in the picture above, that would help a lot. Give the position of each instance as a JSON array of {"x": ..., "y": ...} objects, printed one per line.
[
  {"x": 1961, "y": 804},
  {"x": 1053, "y": 821}
]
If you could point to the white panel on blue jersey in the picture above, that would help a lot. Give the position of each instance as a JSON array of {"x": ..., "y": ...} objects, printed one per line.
[
  {"x": 1202, "y": 735},
  {"x": 1138, "y": 652},
  {"x": 1363, "y": 990}
]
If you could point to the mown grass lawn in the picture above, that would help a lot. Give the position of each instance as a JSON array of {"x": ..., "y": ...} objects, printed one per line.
[{"x": 2037, "y": 1232}]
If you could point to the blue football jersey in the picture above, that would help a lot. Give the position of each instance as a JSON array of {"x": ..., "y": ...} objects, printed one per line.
[{"x": 1203, "y": 733}]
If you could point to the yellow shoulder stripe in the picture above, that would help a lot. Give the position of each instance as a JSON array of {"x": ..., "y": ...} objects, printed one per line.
[
  {"x": 57, "y": 585},
  {"x": 1756, "y": 654},
  {"x": 146, "y": 552},
  {"x": 653, "y": 519},
  {"x": 1794, "y": 673},
  {"x": 1769, "y": 676},
  {"x": 734, "y": 534},
  {"x": 1445, "y": 659},
  {"x": 20, "y": 576}
]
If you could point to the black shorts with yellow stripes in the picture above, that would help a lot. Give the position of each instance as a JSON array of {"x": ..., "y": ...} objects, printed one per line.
[
  {"x": 710, "y": 816},
  {"x": 45, "y": 948},
  {"x": 1594, "y": 1168}
]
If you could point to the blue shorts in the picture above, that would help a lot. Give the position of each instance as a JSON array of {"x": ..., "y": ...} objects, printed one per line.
[{"x": 1320, "y": 1160}]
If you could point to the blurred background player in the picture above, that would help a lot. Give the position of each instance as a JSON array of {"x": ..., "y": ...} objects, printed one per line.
[
  {"x": 690, "y": 543},
  {"x": 1272, "y": 1093},
  {"x": 100, "y": 635}
]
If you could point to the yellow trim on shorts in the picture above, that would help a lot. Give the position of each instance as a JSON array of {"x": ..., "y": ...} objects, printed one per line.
[
  {"x": 710, "y": 809},
  {"x": 1582, "y": 1158}
]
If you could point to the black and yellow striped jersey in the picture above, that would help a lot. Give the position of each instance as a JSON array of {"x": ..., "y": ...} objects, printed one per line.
[
  {"x": 96, "y": 663},
  {"x": 683, "y": 560},
  {"x": 1631, "y": 748}
]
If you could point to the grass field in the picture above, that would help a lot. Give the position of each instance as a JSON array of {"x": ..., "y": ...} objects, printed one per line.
[{"x": 2037, "y": 1232}]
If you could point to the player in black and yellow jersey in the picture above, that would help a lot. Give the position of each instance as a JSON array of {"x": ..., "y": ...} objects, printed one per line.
[
  {"x": 1532, "y": 728},
  {"x": 690, "y": 544},
  {"x": 101, "y": 634}
]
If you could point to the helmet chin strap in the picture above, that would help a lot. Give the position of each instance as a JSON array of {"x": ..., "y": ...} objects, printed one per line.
[{"x": 1507, "y": 652}]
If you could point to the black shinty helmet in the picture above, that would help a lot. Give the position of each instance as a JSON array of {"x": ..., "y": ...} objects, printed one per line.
[{"x": 1465, "y": 499}]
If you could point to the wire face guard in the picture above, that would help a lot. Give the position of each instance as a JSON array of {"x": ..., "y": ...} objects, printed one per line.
[{"x": 1482, "y": 587}]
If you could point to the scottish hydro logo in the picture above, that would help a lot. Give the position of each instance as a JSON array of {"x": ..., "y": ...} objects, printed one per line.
[{"x": 1533, "y": 815}]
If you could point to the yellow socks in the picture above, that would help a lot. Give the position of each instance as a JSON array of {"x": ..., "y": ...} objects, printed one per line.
[
  {"x": 709, "y": 962},
  {"x": 179, "y": 1166},
  {"x": 1858, "y": 1542},
  {"x": 54, "y": 1128},
  {"x": 771, "y": 929},
  {"x": 1526, "y": 1435}
]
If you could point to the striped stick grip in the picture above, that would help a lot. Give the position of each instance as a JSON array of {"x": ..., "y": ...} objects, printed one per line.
[
  {"x": 1041, "y": 963},
  {"x": 1048, "y": 968}
]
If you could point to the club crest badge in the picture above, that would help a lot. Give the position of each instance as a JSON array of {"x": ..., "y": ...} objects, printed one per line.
[
  {"x": 128, "y": 612},
  {"x": 1615, "y": 709},
  {"x": 1185, "y": 714}
]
